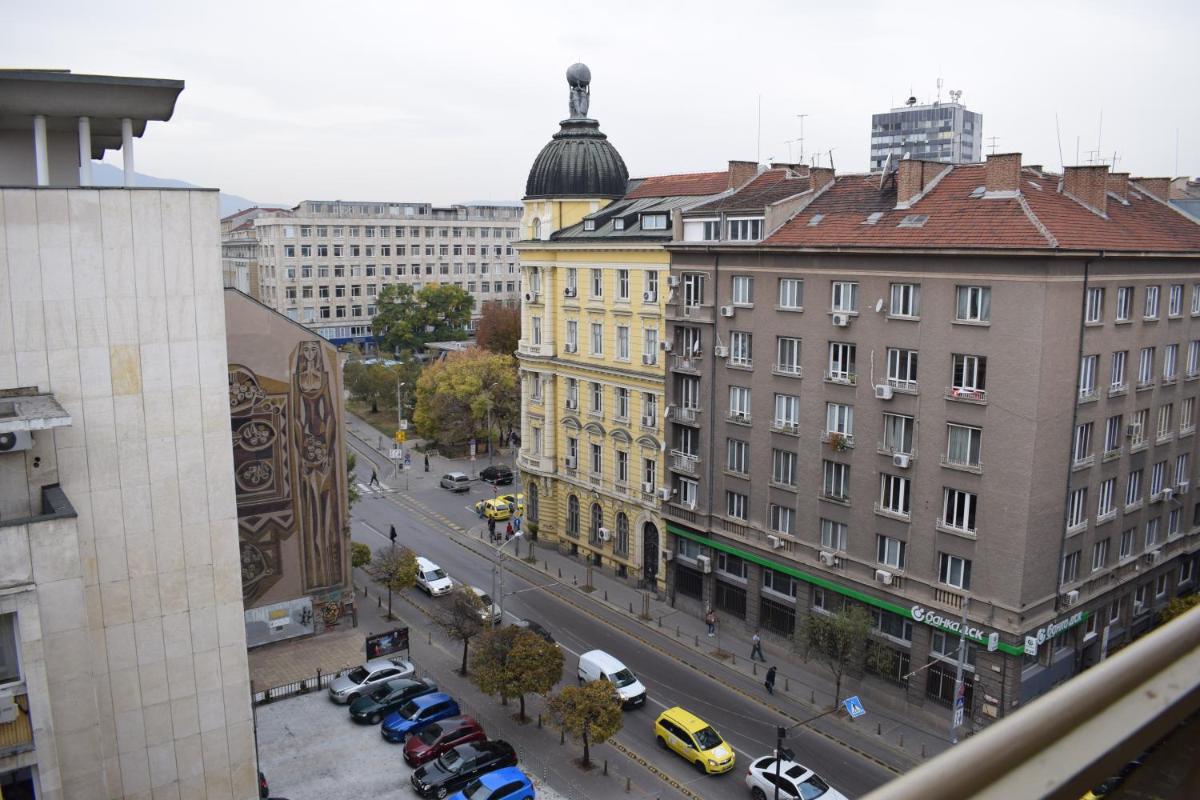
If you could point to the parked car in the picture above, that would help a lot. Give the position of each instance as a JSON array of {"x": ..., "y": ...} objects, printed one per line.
[
  {"x": 370, "y": 709},
  {"x": 432, "y": 579},
  {"x": 500, "y": 508},
  {"x": 456, "y": 768},
  {"x": 438, "y": 737},
  {"x": 795, "y": 780},
  {"x": 489, "y": 613},
  {"x": 416, "y": 714},
  {"x": 597, "y": 665},
  {"x": 497, "y": 475},
  {"x": 694, "y": 740},
  {"x": 368, "y": 677},
  {"x": 533, "y": 626},
  {"x": 503, "y": 784},
  {"x": 456, "y": 482}
]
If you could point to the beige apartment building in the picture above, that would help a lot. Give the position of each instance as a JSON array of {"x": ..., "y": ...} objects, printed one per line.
[
  {"x": 943, "y": 393},
  {"x": 324, "y": 263},
  {"x": 122, "y": 645}
]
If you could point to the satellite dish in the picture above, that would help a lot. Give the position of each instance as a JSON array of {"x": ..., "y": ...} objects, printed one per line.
[{"x": 879, "y": 305}]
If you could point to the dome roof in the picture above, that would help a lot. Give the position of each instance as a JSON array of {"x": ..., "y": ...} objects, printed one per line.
[{"x": 578, "y": 162}]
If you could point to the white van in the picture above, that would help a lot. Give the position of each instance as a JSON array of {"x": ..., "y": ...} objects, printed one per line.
[
  {"x": 596, "y": 665},
  {"x": 432, "y": 579},
  {"x": 489, "y": 612}
]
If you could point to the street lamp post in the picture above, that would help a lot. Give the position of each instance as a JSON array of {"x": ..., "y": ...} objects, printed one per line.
[
  {"x": 391, "y": 574},
  {"x": 499, "y": 595}
]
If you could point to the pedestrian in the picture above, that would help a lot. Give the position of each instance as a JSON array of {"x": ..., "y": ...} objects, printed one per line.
[
  {"x": 770, "y": 681},
  {"x": 427, "y": 462},
  {"x": 508, "y": 532},
  {"x": 374, "y": 479},
  {"x": 492, "y": 529},
  {"x": 756, "y": 651},
  {"x": 710, "y": 619}
]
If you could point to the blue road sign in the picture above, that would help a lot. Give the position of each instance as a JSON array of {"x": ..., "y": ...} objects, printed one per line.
[
  {"x": 408, "y": 459},
  {"x": 854, "y": 707}
]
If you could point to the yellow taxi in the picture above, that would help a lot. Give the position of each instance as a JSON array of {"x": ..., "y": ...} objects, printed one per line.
[
  {"x": 693, "y": 739},
  {"x": 501, "y": 507}
]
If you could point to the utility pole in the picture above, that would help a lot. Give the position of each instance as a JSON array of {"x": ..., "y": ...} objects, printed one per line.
[
  {"x": 392, "y": 536},
  {"x": 498, "y": 592},
  {"x": 801, "y": 140},
  {"x": 960, "y": 690}
]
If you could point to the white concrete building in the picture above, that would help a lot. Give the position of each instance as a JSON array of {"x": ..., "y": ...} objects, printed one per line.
[
  {"x": 122, "y": 646},
  {"x": 324, "y": 263}
]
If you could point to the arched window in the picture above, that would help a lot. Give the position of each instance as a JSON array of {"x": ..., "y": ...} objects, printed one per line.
[
  {"x": 531, "y": 492},
  {"x": 622, "y": 545},
  {"x": 537, "y": 228},
  {"x": 573, "y": 516},
  {"x": 597, "y": 522}
]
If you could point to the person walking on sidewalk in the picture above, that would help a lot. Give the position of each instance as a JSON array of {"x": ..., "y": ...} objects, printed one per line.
[
  {"x": 710, "y": 619},
  {"x": 508, "y": 532},
  {"x": 491, "y": 529},
  {"x": 374, "y": 479},
  {"x": 770, "y": 681},
  {"x": 427, "y": 462},
  {"x": 756, "y": 650}
]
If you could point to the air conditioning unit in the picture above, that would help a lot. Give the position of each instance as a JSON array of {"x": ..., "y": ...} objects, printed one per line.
[
  {"x": 726, "y": 311},
  {"x": 1182, "y": 487},
  {"x": 15, "y": 441},
  {"x": 531, "y": 297},
  {"x": 1071, "y": 598},
  {"x": 827, "y": 558},
  {"x": 884, "y": 577},
  {"x": 603, "y": 534},
  {"x": 648, "y": 360},
  {"x": 570, "y": 347},
  {"x": 666, "y": 492},
  {"x": 8, "y": 707},
  {"x": 647, "y": 487},
  {"x": 665, "y": 345},
  {"x": 841, "y": 320},
  {"x": 569, "y": 291},
  {"x": 648, "y": 422},
  {"x": 572, "y": 461},
  {"x": 672, "y": 281},
  {"x": 668, "y": 555},
  {"x": 1153, "y": 556},
  {"x": 902, "y": 460},
  {"x": 1133, "y": 430},
  {"x": 649, "y": 297},
  {"x": 883, "y": 392},
  {"x": 1166, "y": 494},
  {"x": 774, "y": 541},
  {"x": 721, "y": 351},
  {"x": 704, "y": 563}
]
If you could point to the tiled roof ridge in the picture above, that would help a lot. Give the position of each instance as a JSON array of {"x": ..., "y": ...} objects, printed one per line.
[
  {"x": 1033, "y": 218},
  {"x": 710, "y": 174}
]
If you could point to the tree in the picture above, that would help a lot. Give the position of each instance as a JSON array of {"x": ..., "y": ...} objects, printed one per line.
[
  {"x": 839, "y": 641},
  {"x": 455, "y": 394},
  {"x": 352, "y": 494},
  {"x": 395, "y": 568},
  {"x": 360, "y": 554},
  {"x": 1179, "y": 606},
  {"x": 408, "y": 319},
  {"x": 371, "y": 383},
  {"x": 499, "y": 327},
  {"x": 512, "y": 662},
  {"x": 462, "y": 622},
  {"x": 591, "y": 712}
]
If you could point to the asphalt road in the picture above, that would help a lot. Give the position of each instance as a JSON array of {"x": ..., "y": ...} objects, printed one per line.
[{"x": 741, "y": 713}]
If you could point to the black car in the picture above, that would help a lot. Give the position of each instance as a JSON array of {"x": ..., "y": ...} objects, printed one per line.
[
  {"x": 371, "y": 708},
  {"x": 497, "y": 474},
  {"x": 456, "y": 768},
  {"x": 533, "y": 626}
]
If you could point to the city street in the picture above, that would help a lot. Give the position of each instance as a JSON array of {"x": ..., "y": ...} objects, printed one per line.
[{"x": 737, "y": 707}]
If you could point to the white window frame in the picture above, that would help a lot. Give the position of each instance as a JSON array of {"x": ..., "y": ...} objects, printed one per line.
[
  {"x": 973, "y": 304},
  {"x": 741, "y": 349},
  {"x": 1094, "y": 306},
  {"x": 954, "y": 571},
  {"x": 843, "y": 298},
  {"x": 1150, "y": 309},
  {"x": 742, "y": 291},
  {"x": 791, "y": 294},
  {"x": 1124, "y": 303},
  {"x": 960, "y": 511},
  {"x": 905, "y": 301},
  {"x": 902, "y": 369}
]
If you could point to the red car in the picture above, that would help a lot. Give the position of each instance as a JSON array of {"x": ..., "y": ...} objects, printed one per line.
[{"x": 438, "y": 737}]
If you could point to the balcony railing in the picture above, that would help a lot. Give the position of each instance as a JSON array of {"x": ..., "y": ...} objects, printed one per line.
[
  {"x": 845, "y": 378},
  {"x": 785, "y": 426},
  {"x": 739, "y": 417},
  {"x": 17, "y": 736},
  {"x": 788, "y": 370},
  {"x": 689, "y": 364},
  {"x": 902, "y": 385},
  {"x": 688, "y": 415},
  {"x": 684, "y": 462},
  {"x": 968, "y": 394}
]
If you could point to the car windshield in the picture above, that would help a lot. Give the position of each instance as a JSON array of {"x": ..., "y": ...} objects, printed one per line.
[
  {"x": 435, "y": 575},
  {"x": 450, "y": 760},
  {"x": 358, "y": 674},
  {"x": 487, "y": 601},
  {"x": 409, "y": 710},
  {"x": 475, "y": 790},
  {"x": 622, "y": 678},
  {"x": 429, "y": 735},
  {"x": 381, "y": 693},
  {"x": 707, "y": 738},
  {"x": 813, "y": 788}
]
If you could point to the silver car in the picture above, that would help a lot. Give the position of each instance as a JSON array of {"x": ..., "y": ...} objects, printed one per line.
[
  {"x": 361, "y": 680},
  {"x": 456, "y": 482}
]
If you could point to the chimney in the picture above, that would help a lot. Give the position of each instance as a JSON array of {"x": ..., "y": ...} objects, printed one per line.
[
  {"x": 818, "y": 177},
  {"x": 1118, "y": 183},
  {"x": 1158, "y": 187},
  {"x": 1003, "y": 172},
  {"x": 799, "y": 169},
  {"x": 740, "y": 172},
  {"x": 1088, "y": 185},
  {"x": 913, "y": 176}
]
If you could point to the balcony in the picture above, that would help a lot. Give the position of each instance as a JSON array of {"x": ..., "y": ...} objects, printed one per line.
[
  {"x": 684, "y": 462},
  {"x": 947, "y": 598},
  {"x": 844, "y": 378},
  {"x": 17, "y": 736},
  {"x": 738, "y": 417},
  {"x": 964, "y": 466},
  {"x": 788, "y": 370},
  {"x": 786, "y": 426},
  {"x": 903, "y": 385},
  {"x": 689, "y": 364},
  {"x": 528, "y": 348},
  {"x": 686, "y": 415},
  {"x": 692, "y": 312},
  {"x": 1118, "y": 389},
  {"x": 1088, "y": 394},
  {"x": 945, "y": 527},
  {"x": 967, "y": 394}
]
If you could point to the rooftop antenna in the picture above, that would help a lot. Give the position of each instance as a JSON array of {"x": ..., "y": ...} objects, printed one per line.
[
  {"x": 758, "y": 147},
  {"x": 802, "y": 116},
  {"x": 955, "y": 95},
  {"x": 1176, "y": 172},
  {"x": 993, "y": 140},
  {"x": 1058, "y": 133},
  {"x": 1114, "y": 161},
  {"x": 789, "y": 143},
  {"x": 831, "y": 156},
  {"x": 1099, "y": 133},
  {"x": 939, "y": 90},
  {"x": 1076, "y": 149}
]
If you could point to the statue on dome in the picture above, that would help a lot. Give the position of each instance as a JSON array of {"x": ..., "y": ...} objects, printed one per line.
[{"x": 578, "y": 78}]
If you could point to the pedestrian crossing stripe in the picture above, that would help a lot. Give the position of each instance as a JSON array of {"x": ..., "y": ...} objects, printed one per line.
[{"x": 382, "y": 488}]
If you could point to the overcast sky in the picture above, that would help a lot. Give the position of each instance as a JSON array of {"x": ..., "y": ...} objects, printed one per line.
[{"x": 450, "y": 101}]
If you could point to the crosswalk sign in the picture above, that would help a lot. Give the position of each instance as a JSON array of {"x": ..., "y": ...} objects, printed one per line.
[
  {"x": 400, "y": 437},
  {"x": 854, "y": 707}
]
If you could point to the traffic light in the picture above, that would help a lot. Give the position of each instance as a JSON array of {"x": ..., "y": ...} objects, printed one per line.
[{"x": 392, "y": 535}]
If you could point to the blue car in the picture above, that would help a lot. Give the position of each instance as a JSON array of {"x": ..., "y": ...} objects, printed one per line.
[
  {"x": 503, "y": 784},
  {"x": 416, "y": 714}
]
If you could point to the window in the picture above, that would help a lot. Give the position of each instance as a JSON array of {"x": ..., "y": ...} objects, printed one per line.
[
  {"x": 958, "y": 510},
  {"x": 779, "y": 582},
  {"x": 783, "y": 467},
  {"x": 572, "y": 343},
  {"x": 650, "y": 472},
  {"x": 597, "y": 459},
  {"x": 1105, "y": 507},
  {"x": 791, "y": 293},
  {"x": 895, "y": 494},
  {"x": 1127, "y": 543},
  {"x": 970, "y": 376},
  {"x": 782, "y": 519},
  {"x": 845, "y": 297},
  {"x": 1139, "y": 428},
  {"x": 839, "y": 418},
  {"x": 898, "y": 432},
  {"x": 836, "y": 480},
  {"x": 889, "y": 551},
  {"x": 787, "y": 359},
  {"x": 1187, "y": 571},
  {"x": 597, "y": 398},
  {"x": 622, "y": 284},
  {"x": 1087, "y": 376},
  {"x": 1195, "y": 299},
  {"x": 1158, "y": 477},
  {"x": 1175, "y": 300},
  {"x": 1112, "y": 435},
  {"x": 973, "y": 304},
  {"x": 10, "y": 662},
  {"x": 954, "y": 571},
  {"x": 623, "y": 342},
  {"x": 735, "y": 505},
  {"x": 741, "y": 352},
  {"x": 573, "y": 516},
  {"x": 1124, "y": 303},
  {"x": 739, "y": 403},
  {"x": 906, "y": 300},
  {"x": 573, "y": 394},
  {"x": 1082, "y": 450},
  {"x": 745, "y": 230},
  {"x": 902, "y": 369},
  {"x": 622, "y": 403},
  {"x": 743, "y": 290},
  {"x": 1153, "y": 529},
  {"x": 1094, "y": 311},
  {"x": 737, "y": 456},
  {"x": 962, "y": 445},
  {"x": 1187, "y": 422},
  {"x": 651, "y": 278},
  {"x": 597, "y": 338},
  {"x": 1077, "y": 509},
  {"x": 597, "y": 283},
  {"x": 572, "y": 450},
  {"x": 693, "y": 290},
  {"x": 1133, "y": 488},
  {"x": 1117, "y": 382},
  {"x": 833, "y": 535},
  {"x": 787, "y": 412},
  {"x": 842, "y": 367},
  {"x": 1099, "y": 555},
  {"x": 1193, "y": 358},
  {"x": 1151, "y": 309},
  {"x": 1164, "y": 421},
  {"x": 622, "y": 467},
  {"x": 1170, "y": 362}
]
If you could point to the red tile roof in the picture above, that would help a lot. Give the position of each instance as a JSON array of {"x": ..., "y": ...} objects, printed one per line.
[
  {"x": 1039, "y": 217},
  {"x": 768, "y": 187},
  {"x": 690, "y": 184}
]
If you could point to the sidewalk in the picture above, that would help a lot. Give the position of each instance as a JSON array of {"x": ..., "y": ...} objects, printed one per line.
[{"x": 895, "y": 733}]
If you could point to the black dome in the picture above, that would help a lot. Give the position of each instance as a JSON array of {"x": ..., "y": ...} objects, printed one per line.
[{"x": 578, "y": 162}]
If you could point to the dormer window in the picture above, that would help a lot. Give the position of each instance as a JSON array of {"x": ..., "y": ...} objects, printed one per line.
[
  {"x": 654, "y": 222},
  {"x": 619, "y": 224},
  {"x": 701, "y": 230},
  {"x": 746, "y": 229},
  {"x": 914, "y": 221},
  {"x": 589, "y": 224},
  {"x": 873, "y": 218}
]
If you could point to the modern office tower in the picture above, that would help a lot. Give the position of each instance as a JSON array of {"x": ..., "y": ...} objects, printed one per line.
[
  {"x": 945, "y": 132},
  {"x": 123, "y": 669},
  {"x": 944, "y": 393},
  {"x": 324, "y": 263}
]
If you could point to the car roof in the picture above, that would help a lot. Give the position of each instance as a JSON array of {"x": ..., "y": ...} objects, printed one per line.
[
  {"x": 456, "y": 475},
  {"x": 603, "y": 660},
  {"x": 381, "y": 663},
  {"x": 685, "y": 719},
  {"x": 499, "y": 777},
  {"x": 458, "y": 722},
  {"x": 430, "y": 699},
  {"x": 425, "y": 564},
  {"x": 792, "y": 769}
]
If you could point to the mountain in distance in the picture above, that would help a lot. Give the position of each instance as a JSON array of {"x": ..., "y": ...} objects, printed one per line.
[{"x": 110, "y": 175}]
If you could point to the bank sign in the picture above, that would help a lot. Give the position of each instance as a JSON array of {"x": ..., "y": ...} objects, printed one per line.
[{"x": 1032, "y": 641}]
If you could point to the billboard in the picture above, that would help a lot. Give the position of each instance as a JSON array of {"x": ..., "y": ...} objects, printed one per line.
[{"x": 385, "y": 644}]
